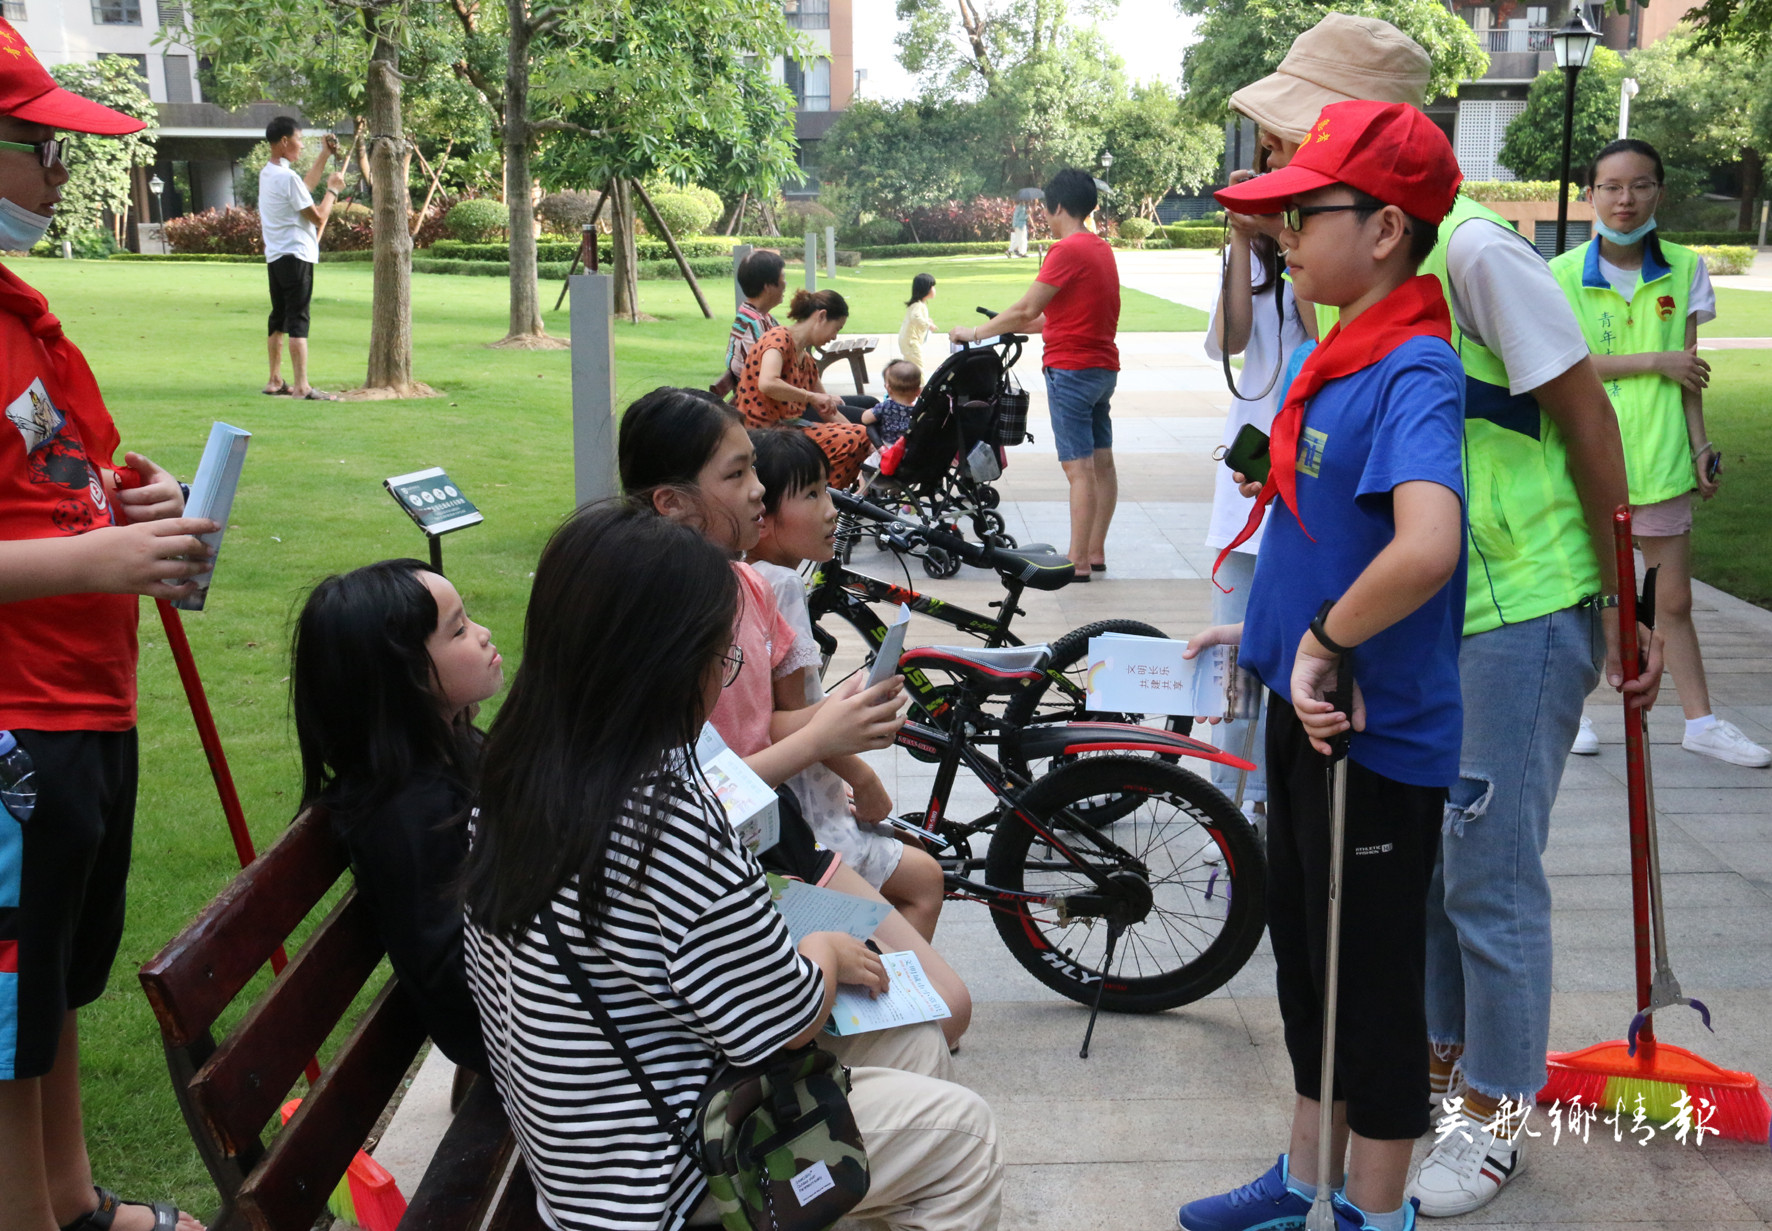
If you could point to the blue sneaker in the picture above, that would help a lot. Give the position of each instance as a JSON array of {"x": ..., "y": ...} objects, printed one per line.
[
  {"x": 1265, "y": 1204},
  {"x": 1349, "y": 1217}
]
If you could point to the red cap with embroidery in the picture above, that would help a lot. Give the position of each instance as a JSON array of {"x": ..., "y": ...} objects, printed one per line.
[
  {"x": 1390, "y": 151},
  {"x": 29, "y": 93}
]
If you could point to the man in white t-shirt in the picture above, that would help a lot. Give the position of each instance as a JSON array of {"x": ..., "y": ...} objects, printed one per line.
[{"x": 291, "y": 223}]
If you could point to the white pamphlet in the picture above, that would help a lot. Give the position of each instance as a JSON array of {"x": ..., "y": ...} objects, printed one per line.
[
  {"x": 886, "y": 660},
  {"x": 750, "y": 805},
  {"x": 212, "y": 496},
  {"x": 909, "y": 998},
  {"x": 1148, "y": 675},
  {"x": 812, "y": 908}
]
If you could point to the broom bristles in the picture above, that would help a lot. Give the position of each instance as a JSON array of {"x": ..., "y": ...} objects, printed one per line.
[{"x": 1606, "y": 1075}]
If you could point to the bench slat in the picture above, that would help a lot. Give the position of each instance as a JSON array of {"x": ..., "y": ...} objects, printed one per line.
[
  {"x": 194, "y": 978},
  {"x": 241, "y": 1086},
  {"x": 288, "y": 1190},
  {"x": 458, "y": 1184}
]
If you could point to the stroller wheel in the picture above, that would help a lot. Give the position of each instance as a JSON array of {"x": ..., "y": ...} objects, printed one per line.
[
  {"x": 988, "y": 525},
  {"x": 989, "y": 496},
  {"x": 939, "y": 564}
]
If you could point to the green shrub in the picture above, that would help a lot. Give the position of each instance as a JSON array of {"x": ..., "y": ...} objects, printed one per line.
[
  {"x": 1514, "y": 190},
  {"x": 554, "y": 271},
  {"x": 567, "y": 213},
  {"x": 477, "y": 220},
  {"x": 709, "y": 199},
  {"x": 874, "y": 233},
  {"x": 219, "y": 258},
  {"x": 93, "y": 244},
  {"x": 247, "y": 173},
  {"x": 1713, "y": 238},
  {"x": 563, "y": 250},
  {"x": 681, "y": 213},
  {"x": 1204, "y": 238},
  {"x": 1726, "y": 260},
  {"x": 890, "y": 251},
  {"x": 1136, "y": 229},
  {"x": 799, "y": 217}
]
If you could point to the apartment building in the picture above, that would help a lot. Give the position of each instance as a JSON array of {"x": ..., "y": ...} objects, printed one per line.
[
  {"x": 823, "y": 85},
  {"x": 200, "y": 143}
]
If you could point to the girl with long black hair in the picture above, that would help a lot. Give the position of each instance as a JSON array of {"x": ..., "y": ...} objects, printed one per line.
[{"x": 593, "y": 811}]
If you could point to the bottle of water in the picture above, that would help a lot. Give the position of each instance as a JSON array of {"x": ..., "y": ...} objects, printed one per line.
[{"x": 18, "y": 788}]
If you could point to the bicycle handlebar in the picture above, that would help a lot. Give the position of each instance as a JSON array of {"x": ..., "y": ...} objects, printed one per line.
[{"x": 906, "y": 534}]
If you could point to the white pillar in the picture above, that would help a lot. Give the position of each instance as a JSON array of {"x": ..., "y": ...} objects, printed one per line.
[{"x": 593, "y": 387}]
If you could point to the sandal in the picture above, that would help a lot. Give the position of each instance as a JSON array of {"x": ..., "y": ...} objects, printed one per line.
[
  {"x": 100, "y": 1219},
  {"x": 317, "y": 395},
  {"x": 281, "y": 391}
]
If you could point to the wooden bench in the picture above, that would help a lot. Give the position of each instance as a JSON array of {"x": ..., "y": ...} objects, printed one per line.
[
  {"x": 855, "y": 350},
  {"x": 230, "y": 1089}
]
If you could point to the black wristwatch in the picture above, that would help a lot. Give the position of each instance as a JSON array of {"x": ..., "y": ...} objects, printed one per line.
[{"x": 1323, "y": 638}]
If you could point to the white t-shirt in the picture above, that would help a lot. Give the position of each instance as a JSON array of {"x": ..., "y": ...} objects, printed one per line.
[
  {"x": 282, "y": 195},
  {"x": 1505, "y": 297},
  {"x": 1271, "y": 343},
  {"x": 1701, "y": 298}
]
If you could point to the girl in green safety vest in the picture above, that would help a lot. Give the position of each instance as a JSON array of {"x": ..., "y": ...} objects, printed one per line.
[{"x": 1640, "y": 301}]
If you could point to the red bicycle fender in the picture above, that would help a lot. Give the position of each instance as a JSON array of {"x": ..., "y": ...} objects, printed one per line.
[{"x": 1042, "y": 740}]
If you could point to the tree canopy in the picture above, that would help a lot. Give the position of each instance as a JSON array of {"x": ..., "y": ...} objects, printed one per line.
[
  {"x": 962, "y": 48},
  {"x": 99, "y": 167},
  {"x": 1240, "y": 41},
  {"x": 1533, "y": 146}
]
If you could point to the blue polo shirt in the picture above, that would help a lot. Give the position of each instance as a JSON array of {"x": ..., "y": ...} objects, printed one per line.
[{"x": 1399, "y": 421}]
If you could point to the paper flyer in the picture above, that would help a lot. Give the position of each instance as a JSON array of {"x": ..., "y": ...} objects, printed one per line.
[
  {"x": 212, "y": 496},
  {"x": 909, "y": 998},
  {"x": 1148, "y": 675},
  {"x": 886, "y": 660},
  {"x": 811, "y": 908},
  {"x": 751, "y": 806}
]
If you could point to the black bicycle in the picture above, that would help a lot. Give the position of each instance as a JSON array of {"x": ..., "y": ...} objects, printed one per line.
[
  {"x": 1059, "y": 695},
  {"x": 1121, "y": 881}
]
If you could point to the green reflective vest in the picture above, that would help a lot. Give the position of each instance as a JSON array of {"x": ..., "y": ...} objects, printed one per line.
[
  {"x": 1651, "y": 416},
  {"x": 1530, "y": 553}
]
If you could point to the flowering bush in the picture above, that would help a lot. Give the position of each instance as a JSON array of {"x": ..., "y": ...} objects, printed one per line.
[
  {"x": 234, "y": 229},
  {"x": 984, "y": 218}
]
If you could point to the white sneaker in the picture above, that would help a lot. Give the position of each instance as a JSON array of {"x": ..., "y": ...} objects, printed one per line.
[
  {"x": 1586, "y": 744},
  {"x": 1465, "y": 1170},
  {"x": 1455, "y": 1090},
  {"x": 1724, "y": 741}
]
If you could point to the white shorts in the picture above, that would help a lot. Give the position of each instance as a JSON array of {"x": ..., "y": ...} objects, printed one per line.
[
  {"x": 824, "y": 798},
  {"x": 1665, "y": 519}
]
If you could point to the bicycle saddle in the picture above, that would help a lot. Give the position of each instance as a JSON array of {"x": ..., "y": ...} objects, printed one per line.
[
  {"x": 994, "y": 671},
  {"x": 1037, "y": 570}
]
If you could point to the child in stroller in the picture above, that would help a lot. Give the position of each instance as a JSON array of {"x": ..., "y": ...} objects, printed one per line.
[{"x": 970, "y": 411}]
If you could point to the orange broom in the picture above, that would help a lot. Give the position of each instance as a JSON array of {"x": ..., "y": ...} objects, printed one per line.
[{"x": 1672, "y": 1083}]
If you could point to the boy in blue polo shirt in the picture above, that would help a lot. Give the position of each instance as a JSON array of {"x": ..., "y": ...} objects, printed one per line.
[{"x": 1362, "y": 565}]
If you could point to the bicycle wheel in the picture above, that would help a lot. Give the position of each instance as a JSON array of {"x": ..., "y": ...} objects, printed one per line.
[
  {"x": 1188, "y": 881},
  {"x": 1062, "y": 696}
]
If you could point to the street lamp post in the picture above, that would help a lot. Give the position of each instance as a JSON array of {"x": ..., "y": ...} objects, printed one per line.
[
  {"x": 1573, "y": 46},
  {"x": 157, "y": 186}
]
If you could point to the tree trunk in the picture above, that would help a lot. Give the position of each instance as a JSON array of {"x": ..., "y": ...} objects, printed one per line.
[
  {"x": 623, "y": 257},
  {"x": 390, "y": 323},
  {"x": 676, "y": 252},
  {"x": 1753, "y": 179},
  {"x": 526, "y": 331}
]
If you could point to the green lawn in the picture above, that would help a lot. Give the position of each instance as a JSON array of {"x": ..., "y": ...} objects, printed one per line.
[
  {"x": 1729, "y": 533},
  {"x": 175, "y": 346},
  {"x": 1740, "y": 314}
]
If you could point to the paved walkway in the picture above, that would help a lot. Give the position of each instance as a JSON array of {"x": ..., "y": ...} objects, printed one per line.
[{"x": 1189, "y": 1102}]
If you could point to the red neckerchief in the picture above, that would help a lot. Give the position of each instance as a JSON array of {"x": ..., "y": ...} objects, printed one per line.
[
  {"x": 1415, "y": 309},
  {"x": 74, "y": 379}
]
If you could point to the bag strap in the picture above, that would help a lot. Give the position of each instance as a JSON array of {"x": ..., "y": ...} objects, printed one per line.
[{"x": 676, "y": 1125}]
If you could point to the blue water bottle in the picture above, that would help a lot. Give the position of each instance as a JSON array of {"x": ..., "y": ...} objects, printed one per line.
[{"x": 18, "y": 787}]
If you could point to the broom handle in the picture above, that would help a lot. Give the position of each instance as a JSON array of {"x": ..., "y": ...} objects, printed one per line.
[{"x": 1635, "y": 757}]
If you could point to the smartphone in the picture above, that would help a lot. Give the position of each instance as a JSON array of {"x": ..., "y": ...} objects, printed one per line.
[
  {"x": 1716, "y": 466},
  {"x": 1248, "y": 454}
]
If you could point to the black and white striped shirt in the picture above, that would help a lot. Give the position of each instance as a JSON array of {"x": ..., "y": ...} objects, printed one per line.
[{"x": 695, "y": 967}]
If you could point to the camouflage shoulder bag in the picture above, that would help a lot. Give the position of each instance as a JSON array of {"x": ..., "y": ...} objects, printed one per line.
[{"x": 776, "y": 1140}]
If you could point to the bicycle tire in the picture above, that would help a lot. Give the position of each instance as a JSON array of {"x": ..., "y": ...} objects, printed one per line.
[
  {"x": 1187, "y": 944},
  {"x": 1037, "y": 702}
]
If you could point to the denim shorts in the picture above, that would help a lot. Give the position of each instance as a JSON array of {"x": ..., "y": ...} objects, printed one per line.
[{"x": 1078, "y": 401}]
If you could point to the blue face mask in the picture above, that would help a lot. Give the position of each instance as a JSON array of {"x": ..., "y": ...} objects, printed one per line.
[
  {"x": 20, "y": 229},
  {"x": 1624, "y": 238}
]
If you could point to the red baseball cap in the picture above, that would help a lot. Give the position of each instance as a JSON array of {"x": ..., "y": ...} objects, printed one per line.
[
  {"x": 1390, "y": 151},
  {"x": 29, "y": 93}
]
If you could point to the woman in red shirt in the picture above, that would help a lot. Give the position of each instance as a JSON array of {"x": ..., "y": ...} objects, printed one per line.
[{"x": 780, "y": 382}]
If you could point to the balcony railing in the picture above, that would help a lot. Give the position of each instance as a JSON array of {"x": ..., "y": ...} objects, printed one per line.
[{"x": 1518, "y": 38}]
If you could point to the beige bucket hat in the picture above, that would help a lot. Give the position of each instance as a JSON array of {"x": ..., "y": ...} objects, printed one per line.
[{"x": 1339, "y": 59}]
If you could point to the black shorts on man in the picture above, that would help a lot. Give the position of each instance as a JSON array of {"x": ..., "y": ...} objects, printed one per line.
[{"x": 292, "y": 287}]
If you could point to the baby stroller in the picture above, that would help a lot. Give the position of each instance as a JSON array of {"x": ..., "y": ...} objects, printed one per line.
[{"x": 971, "y": 411}]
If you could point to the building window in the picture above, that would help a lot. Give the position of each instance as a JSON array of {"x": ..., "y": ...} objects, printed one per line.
[
  {"x": 172, "y": 14},
  {"x": 138, "y": 63},
  {"x": 806, "y": 157},
  {"x": 116, "y": 12},
  {"x": 810, "y": 84},
  {"x": 13, "y": 10},
  {"x": 178, "y": 78},
  {"x": 808, "y": 14}
]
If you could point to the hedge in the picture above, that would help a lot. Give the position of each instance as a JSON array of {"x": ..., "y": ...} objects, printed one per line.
[
  {"x": 549, "y": 271},
  {"x": 1514, "y": 190},
  {"x": 1734, "y": 259},
  {"x": 1203, "y": 238},
  {"x": 1693, "y": 238},
  {"x": 887, "y": 252},
  {"x": 219, "y": 257},
  {"x": 565, "y": 250}
]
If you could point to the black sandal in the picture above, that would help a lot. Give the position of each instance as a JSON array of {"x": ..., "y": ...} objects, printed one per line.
[{"x": 100, "y": 1219}]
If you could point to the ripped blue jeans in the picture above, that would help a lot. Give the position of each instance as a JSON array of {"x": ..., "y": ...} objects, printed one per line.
[{"x": 1489, "y": 903}]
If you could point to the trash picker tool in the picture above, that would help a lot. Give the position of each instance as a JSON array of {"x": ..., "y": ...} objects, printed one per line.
[
  {"x": 1322, "y": 1214},
  {"x": 1673, "y": 1083}
]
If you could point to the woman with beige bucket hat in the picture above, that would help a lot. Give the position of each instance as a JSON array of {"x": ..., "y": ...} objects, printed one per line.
[{"x": 1544, "y": 469}]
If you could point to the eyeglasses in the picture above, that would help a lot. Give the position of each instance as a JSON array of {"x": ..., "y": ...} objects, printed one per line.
[
  {"x": 46, "y": 151},
  {"x": 1294, "y": 215},
  {"x": 734, "y": 660},
  {"x": 1639, "y": 188}
]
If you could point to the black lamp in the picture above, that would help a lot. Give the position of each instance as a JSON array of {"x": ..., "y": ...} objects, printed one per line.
[{"x": 1573, "y": 46}]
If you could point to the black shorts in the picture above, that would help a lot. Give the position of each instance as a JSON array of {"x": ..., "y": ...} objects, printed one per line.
[
  {"x": 1392, "y": 838},
  {"x": 292, "y": 287},
  {"x": 61, "y": 904}
]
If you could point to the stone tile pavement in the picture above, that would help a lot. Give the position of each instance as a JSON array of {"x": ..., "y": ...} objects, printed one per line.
[{"x": 1192, "y": 1101}]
